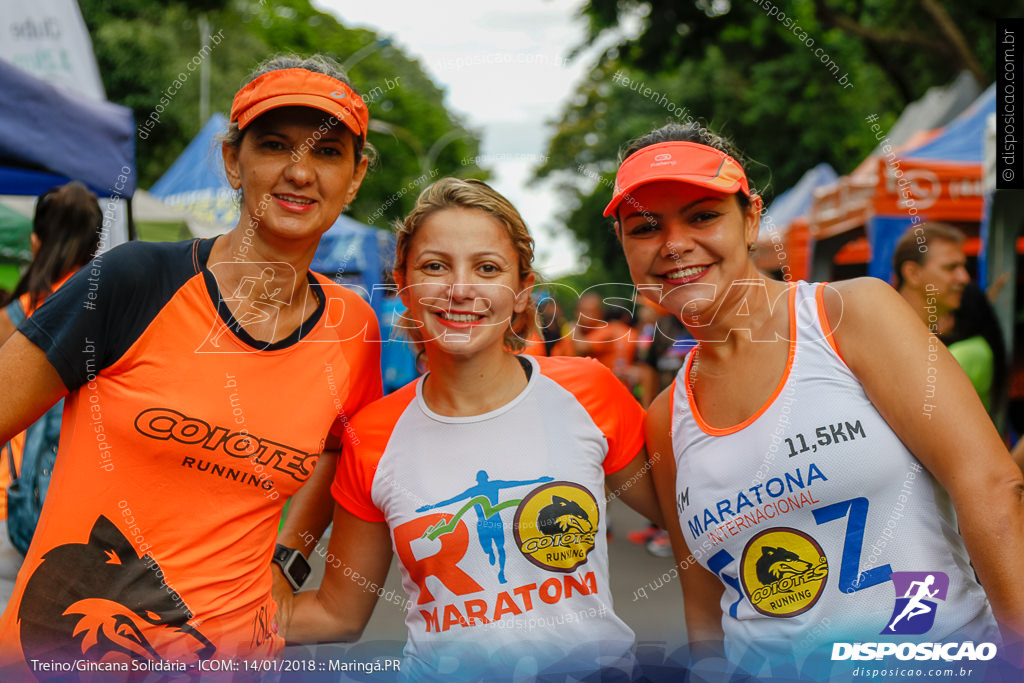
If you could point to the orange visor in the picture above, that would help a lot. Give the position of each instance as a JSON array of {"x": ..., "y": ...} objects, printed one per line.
[
  {"x": 684, "y": 162},
  {"x": 300, "y": 88}
]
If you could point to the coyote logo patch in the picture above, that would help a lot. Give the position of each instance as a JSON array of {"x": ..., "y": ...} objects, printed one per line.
[
  {"x": 556, "y": 524},
  {"x": 783, "y": 572},
  {"x": 100, "y": 601}
]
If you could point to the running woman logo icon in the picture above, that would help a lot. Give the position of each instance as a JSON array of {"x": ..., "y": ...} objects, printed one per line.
[{"x": 916, "y": 596}]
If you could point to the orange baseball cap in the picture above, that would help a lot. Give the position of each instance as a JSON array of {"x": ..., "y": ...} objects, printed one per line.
[
  {"x": 685, "y": 162},
  {"x": 300, "y": 88}
]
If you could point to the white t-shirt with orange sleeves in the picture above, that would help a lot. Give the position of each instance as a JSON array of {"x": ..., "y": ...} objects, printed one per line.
[{"x": 499, "y": 521}]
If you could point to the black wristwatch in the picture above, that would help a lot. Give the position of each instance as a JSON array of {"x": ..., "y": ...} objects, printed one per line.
[{"x": 293, "y": 564}]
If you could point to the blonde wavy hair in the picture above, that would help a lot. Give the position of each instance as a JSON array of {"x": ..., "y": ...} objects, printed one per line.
[{"x": 451, "y": 193}]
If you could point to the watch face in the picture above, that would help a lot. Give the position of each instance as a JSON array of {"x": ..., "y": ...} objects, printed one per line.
[{"x": 299, "y": 570}]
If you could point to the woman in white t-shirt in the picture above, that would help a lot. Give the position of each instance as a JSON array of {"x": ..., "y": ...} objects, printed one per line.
[{"x": 486, "y": 476}]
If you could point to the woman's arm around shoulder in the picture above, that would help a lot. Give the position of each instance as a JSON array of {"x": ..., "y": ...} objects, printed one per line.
[
  {"x": 702, "y": 591},
  {"x": 358, "y": 557},
  {"x": 634, "y": 485}
]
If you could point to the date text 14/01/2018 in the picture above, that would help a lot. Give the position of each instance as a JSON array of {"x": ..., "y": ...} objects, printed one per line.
[{"x": 334, "y": 665}]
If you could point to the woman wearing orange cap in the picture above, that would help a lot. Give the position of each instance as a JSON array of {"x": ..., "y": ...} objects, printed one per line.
[
  {"x": 819, "y": 435},
  {"x": 204, "y": 380}
]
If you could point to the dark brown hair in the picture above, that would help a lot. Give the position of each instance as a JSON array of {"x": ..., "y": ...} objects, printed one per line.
[
  {"x": 913, "y": 246},
  {"x": 68, "y": 223}
]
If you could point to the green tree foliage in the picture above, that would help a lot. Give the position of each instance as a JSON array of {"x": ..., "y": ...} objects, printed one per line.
[
  {"x": 917, "y": 44},
  {"x": 757, "y": 79},
  {"x": 142, "y": 47}
]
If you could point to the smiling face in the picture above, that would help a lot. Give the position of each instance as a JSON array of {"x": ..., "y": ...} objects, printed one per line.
[
  {"x": 461, "y": 281},
  {"x": 296, "y": 172},
  {"x": 685, "y": 244}
]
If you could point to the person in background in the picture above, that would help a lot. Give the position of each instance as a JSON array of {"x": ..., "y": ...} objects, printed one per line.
[
  {"x": 659, "y": 364},
  {"x": 553, "y": 336},
  {"x": 667, "y": 352},
  {"x": 931, "y": 272},
  {"x": 931, "y": 275},
  {"x": 977, "y": 344},
  {"x": 66, "y": 230},
  {"x": 644, "y": 326},
  {"x": 604, "y": 335}
]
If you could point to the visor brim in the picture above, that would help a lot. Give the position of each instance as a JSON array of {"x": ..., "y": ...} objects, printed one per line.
[{"x": 718, "y": 184}]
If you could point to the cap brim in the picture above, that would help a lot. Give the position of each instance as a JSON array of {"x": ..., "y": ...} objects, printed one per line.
[
  {"x": 324, "y": 104},
  {"x": 718, "y": 183}
]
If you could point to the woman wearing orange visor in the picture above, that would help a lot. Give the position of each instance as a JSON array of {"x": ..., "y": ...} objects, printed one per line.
[
  {"x": 204, "y": 380},
  {"x": 821, "y": 440}
]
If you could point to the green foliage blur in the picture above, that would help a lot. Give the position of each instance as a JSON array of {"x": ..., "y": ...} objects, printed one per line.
[
  {"x": 790, "y": 92},
  {"x": 142, "y": 47}
]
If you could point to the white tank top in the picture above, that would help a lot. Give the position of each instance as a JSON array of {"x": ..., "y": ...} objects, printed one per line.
[{"x": 806, "y": 508}]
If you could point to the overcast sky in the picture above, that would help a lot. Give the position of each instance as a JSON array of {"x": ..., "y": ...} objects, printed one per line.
[{"x": 504, "y": 69}]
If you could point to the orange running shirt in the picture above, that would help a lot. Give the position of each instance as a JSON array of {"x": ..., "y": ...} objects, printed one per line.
[
  {"x": 499, "y": 520},
  {"x": 181, "y": 440}
]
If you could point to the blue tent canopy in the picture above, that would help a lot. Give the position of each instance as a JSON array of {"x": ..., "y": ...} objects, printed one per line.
[
  {"x": 49, "y": 136},
  {"x": 961, "y": 141},
  {"x": 354, "y": 254},
  {"x": 796, "y": 201},
  {"x": 196, "y": 183}
]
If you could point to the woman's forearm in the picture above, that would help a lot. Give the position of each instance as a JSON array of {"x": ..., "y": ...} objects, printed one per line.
[
  {"x": 992, "y": 526},
  {"x": 313, "y": 622}
]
